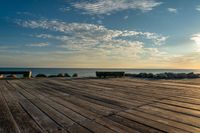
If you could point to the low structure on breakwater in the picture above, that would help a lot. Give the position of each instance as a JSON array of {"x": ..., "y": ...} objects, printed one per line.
[{"x": 10, "y": 74}]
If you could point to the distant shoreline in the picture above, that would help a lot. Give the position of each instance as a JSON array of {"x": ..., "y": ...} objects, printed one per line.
[
  {"x": 90, "y": 72},
  {"x": 111, "y": 74},
  {"x": 97, "y": 68}
]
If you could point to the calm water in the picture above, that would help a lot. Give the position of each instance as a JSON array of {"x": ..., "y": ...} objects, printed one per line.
[{"x": 91, "y": 72}]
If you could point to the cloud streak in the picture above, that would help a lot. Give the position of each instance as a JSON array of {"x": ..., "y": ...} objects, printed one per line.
[
  {"x": 96, "y": 41},
  {"x": 172, "y": 10},
  {"x": 196, "y": 39},
  {"x": 110, "y": 6},
  {"x": 198, "y": 8},
  {"x": 38, "y": 45},
  {"x": 92, "y": 32}
]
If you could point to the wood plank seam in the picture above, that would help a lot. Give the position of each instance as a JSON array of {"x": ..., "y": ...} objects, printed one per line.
[
  {"x": 15, "y": 123},
  {"x": 79, "y": 123}
]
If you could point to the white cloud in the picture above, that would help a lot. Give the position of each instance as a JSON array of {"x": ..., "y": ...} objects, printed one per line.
[
  {"x": 25, "y": 13},
  {"x": 65, "y": 9},
  {"x": 196, "y": 39},
  {"x": 172, "y": 10},
  {"x": 84, "y": 31},
  {"x": 198, "y": 8},
  {"x": 110, "y": 6},
  {"x": 157, "y": 39},
  {"x": 126, "y": 17},
  {"x": 99, "y": 22},
  {"x": 38, "y": 45},
  {"x": 97, "y": 41},
  {"x": 4, "y": 47}
]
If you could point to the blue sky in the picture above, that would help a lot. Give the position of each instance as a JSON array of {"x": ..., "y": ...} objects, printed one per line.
[{"x": 100, "y": 33}]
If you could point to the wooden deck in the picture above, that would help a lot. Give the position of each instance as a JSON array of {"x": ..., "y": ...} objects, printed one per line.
[{"x": 99, "y": 106}]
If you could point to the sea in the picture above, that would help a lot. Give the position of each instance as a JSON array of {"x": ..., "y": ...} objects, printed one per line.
[{"x": 91, "y": 72}]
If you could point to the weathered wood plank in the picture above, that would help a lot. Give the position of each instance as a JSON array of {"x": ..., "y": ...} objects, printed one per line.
[
  {"x": 65, "y": 111},
  {"x": 181, "y": 104},
  {"x": 151, "y": 123},
  {"x": 40, "y": 117},
  {"x": 7, "y": 122},
  {"x": 99, "y": 120},
  {"x": 24, "y": 121},
  {"x": 111, "y": 105},
  {"x": 75, "y": 98},
  {"x": 55, "y": 115},
  {"x": 76, "y": 89},
  {"x": 115, "y": 126},
  {"x": 95, "y": 127},
  {"x": 60, "y": 101},
  {"x": 178, "y": 117},
  {"x": 134, "y": 125},
  {"x": 76, "y": 128},
  {"x": 171, "y": 126},
  {"x": 186, "y": 111},
  {"x": 49, "y": 98},
  {"x": 76, "y": 117}
]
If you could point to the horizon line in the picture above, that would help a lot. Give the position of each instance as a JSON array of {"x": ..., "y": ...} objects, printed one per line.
[{"x": 97, "y": 68}]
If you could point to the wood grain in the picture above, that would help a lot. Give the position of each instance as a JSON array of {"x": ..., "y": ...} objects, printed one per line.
[{"x": 115, "y": 105}]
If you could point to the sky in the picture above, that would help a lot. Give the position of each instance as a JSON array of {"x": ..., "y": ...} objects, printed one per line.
[{"x": 162, "y": 34}]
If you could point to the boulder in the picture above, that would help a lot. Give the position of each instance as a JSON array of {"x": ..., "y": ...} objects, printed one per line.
[
  {"x": 52, "y": 76},
  {"x": 11, "y": 76},
  {"x": 67, "y": 75},
  {"x": 75, "y": 75},
  {"x": 60, "y": 75},
  {"x": 41, "y": 76}
]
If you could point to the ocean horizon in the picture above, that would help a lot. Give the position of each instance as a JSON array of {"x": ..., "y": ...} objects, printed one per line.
[{"x": 90, "y": 72}]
